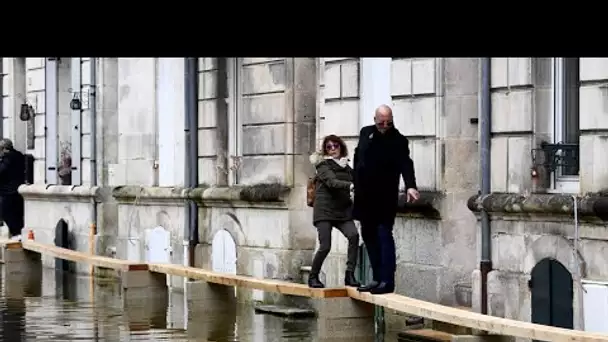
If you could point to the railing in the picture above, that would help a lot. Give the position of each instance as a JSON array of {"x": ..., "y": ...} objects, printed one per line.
[{"x": 555, "y": 156}]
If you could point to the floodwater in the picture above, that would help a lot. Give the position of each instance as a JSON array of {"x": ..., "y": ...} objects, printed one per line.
[{"x": 64, "y": 307}]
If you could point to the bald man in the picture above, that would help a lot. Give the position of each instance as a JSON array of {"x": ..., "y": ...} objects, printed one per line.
[{"x": 381, "y": 157}]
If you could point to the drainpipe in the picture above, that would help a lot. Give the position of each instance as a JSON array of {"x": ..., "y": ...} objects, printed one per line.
[
  {"x": 485, "y": 140},
  {"x": 191, "y": 171},
  {"x": 93, "y": 153},
  {"x": 2, "y": 95}
]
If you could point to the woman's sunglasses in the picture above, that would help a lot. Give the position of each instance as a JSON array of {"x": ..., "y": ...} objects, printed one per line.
[{"x": 332, "y": 146}]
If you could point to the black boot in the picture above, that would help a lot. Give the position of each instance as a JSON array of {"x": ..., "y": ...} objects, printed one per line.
[
  {"x": 350, "y": 280},
  {"x": 368, "y": 287},
  {"x": 383, "y": 288},
  {"x": 314, "y": 282}
]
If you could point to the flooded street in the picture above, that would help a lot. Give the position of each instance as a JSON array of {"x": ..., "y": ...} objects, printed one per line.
[{"x": 64, "y": 307}]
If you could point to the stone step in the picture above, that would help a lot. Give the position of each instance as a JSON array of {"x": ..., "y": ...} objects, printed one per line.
[
  {"x": 284, "y": 311},
  {"x": 430, "y": 335},
  {"x": 463, "y": 293},
  {"x": 424, "y": 335}
]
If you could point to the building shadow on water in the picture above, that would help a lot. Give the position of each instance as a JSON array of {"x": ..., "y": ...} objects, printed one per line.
[
  {"x": 212, "y": 326},
  {"x": 147, "y": 313},
  {"x": 66, "y": 285},
  {"x": 12, "y": 314},
  {"x": 65, "y": 239},
  {"x": 16, "y": 287}
]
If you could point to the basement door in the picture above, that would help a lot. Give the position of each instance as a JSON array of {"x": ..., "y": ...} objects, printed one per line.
[
  {"x": 158, "y": 245},
  {"x": 223, "y": 252},
  {"x": 552, "y": 294}
]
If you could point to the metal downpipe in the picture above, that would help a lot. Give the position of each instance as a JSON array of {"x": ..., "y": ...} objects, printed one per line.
[
  {"x": 93, "y": 152},
  {"x": 2, "y": 96},
  {"x": 485, "y": 140},
  {"x": 191, "y": 171}
]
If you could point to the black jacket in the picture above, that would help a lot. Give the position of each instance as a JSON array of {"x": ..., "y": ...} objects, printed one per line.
[
  {"x": 332, "y": 194},
  {"x": 380, "y": 159},
  {"x": 12, "y": 172}
]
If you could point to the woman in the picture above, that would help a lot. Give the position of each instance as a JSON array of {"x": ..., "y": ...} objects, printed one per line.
[{"x": 333, "y": 207}]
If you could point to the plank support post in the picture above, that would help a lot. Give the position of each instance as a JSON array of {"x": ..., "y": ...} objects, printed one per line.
[
  {"x": 202, "y": 296},
  {"x": 343, "y": 318},
  {"x": 143, "y": 284},
  {"x": 209, "y": 306},
  {"x": 22, "y": 270},
  {"x": 20, "y": 261}
]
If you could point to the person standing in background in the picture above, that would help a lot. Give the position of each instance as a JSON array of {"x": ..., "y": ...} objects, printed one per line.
[
  {"x": 12, "y": 175},
  {"x": 381, "y": 157}
]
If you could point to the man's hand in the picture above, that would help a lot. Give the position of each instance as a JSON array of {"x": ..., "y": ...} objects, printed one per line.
[{"x": 412, "y": 195}]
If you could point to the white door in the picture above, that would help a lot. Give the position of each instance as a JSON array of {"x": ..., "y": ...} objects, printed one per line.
[
  {"x": 223, "y": 253},
  {"x": 595, "y": 307},
  {"x": 158, "y": 245}
]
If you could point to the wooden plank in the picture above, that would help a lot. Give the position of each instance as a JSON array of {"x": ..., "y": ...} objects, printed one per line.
[
  {"x": 10, "y": 244},
  {"x": 267, "y": 285},
  {"x": 494, "y": 325},
  {"x": 76, "y": 256}
]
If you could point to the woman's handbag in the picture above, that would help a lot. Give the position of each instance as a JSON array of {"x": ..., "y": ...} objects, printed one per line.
[{"x": 311, "y": 188}]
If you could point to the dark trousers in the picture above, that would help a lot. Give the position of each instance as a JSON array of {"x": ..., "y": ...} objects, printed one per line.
[
  {"x": 380, "y": 245},
  {"x": 349, "y": 230},
  {"x": 12, "y": 212}
]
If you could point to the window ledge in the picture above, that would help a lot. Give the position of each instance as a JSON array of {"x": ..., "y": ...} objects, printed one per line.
[{"x": 590, "y": 206}]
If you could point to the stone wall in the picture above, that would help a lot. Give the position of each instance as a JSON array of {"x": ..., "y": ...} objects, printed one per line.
[
  {"x": 269, "y": 134},
  {"x": 36, "y": 97},
  {"x": 526, "y": 230},
  {"x": 528, "y": 226},
  {"x": 13, "y": 92},
  {"x": 134, "y": 126},
  {"x": 45, "y": 206},
  {"x": 142, "y": 209},
  {"x": 593, "y": 124}
]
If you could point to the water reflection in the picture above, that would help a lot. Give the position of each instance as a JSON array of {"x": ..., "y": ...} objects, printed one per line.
[{"x": 59, "y": 306}]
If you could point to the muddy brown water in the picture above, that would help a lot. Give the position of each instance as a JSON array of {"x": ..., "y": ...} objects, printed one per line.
[{"x": 59, "y": 306}]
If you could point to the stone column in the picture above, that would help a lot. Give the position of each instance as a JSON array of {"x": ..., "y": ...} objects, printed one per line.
[
  {"x": 512, "y": 129},
  {"x": 137, "y": 142},
  {"x": 35, "y": 93},
  {"x": 593, "y": 124}
]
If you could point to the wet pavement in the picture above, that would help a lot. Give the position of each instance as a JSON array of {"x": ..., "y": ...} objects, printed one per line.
[{"x": 64, "y": 307}]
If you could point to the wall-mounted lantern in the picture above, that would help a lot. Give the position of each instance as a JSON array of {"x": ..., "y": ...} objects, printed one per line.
[
  {"x": 76, "y": 104},
  {"x": 26, "y": 112}
]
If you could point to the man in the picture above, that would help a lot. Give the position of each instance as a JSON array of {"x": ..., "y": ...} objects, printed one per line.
[
  {"x": 381, "y": 157},
  {"x": 12, "y": 174}
]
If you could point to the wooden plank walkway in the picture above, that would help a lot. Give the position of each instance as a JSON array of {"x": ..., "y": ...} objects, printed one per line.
[
  {"x": 76, "y": 256},
  {"x": 267, "y": 285},
  {"x": 491, "y": 324}
]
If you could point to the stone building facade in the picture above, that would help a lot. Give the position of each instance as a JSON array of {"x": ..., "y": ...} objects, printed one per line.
[{"x": 258, "y": 119}]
